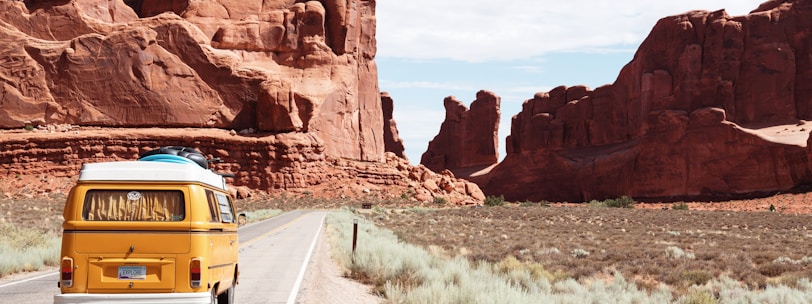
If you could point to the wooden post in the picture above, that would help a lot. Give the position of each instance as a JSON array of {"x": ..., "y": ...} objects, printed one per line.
[{"x": 354, "y": 237}]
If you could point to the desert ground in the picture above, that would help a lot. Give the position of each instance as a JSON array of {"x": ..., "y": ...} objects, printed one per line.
[{"x": 650, "y": 244}]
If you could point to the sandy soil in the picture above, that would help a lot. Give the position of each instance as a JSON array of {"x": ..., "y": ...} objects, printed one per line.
[
  {"x": 323, "y": 282},
  {"x": 787, "y": 203},
  {"x": 788, "y": 134}
]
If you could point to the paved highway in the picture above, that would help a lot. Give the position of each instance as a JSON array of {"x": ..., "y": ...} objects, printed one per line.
[{"x": 273, "y": 259}]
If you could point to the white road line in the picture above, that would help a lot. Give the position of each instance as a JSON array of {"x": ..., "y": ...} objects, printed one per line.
[
  {"x": 295, "y": 291},
  {"x": 29, "y": 279}
]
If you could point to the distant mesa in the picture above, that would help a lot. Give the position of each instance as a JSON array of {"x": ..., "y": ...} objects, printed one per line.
[{"x": 710, "y": 106}]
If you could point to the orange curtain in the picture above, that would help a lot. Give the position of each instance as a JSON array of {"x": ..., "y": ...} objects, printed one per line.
[{"x": 126, "y": 205}]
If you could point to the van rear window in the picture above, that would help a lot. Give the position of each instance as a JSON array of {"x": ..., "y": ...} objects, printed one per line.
[{"x": 134, "y": 205}]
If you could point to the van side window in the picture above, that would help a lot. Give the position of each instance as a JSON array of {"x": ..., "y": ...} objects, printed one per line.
[
  {"x": 214, "y": 207},
  {"x": 225, "y": 209},
  {"x": 134, "y": 205}
]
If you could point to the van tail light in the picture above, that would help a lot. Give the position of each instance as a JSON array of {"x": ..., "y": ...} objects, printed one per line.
[
  {"x": 194, "y": 273},
  {"x": 67, "y": 272}
]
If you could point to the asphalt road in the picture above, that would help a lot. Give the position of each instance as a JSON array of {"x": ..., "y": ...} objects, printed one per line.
[{"x": 273, "y": 257}]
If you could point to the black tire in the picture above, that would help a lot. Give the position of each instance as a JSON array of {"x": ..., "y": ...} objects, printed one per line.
[
  {"x": 227, "y": 297},
  {"x": 190, "y": 153},
  {"x": 199, "y": 159}
]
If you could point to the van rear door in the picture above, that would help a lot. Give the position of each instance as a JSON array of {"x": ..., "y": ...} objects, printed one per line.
[{"x": 132, "y": 239}]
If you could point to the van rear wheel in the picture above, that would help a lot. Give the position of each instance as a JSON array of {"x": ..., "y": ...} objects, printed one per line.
[
  {"x": 226, "y": 297},
  {"x": 213, "y": 299}
]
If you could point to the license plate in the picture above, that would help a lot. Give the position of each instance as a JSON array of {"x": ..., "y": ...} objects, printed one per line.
[{"x": 132, "y": 272}]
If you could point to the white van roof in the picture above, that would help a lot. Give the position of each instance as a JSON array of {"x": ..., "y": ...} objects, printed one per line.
[{"x": 150, "y": 171}]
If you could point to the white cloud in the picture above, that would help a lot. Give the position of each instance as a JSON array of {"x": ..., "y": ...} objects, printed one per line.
[{"x": 480, "y": 30}]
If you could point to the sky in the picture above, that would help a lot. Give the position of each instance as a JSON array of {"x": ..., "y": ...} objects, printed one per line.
[{"x": 430, "y": 49}]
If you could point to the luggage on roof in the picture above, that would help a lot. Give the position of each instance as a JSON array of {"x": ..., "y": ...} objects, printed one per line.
[{"x": 176, "y": 154}]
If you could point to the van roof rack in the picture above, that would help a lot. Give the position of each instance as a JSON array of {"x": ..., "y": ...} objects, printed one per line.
[{"x": 151, "y": 171}]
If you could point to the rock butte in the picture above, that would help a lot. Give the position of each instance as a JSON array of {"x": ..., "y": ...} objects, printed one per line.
[
  {"x": 710, "y": 106},
  {"x": 295, "y": 81}
]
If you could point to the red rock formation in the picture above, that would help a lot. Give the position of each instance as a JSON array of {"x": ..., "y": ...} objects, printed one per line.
[
  {"x": 273, "y": 66},
  {"x": 391, "y": 139},
  {"x": 711, "y": 105},
  {"x": 297, "y": 79},
  {"x": 268, "y": 163},
  {"x": 467, "y": 138}
]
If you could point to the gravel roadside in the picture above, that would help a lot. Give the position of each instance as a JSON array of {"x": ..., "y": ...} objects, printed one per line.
[{"x": 323, "y": 282}]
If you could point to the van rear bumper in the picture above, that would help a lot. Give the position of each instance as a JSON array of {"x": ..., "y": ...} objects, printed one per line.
[{"x": 175, "y": 298}]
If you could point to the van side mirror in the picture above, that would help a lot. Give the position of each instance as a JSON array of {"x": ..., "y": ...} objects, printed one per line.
[{"x": 242, "y": 219}]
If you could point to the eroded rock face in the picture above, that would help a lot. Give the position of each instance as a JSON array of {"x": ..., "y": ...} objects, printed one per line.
[
  {"x": 283, "y": 162},
  {"x": 690, "y": 115},
  {"x": 467, "y": 138},
  {"x": 273, "y": 66},
  {"x": 391, "y": 138}
]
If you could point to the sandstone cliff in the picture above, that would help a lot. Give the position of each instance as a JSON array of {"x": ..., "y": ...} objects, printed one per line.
[
  {"x": 272, "y": 66},
  {"x": 34, "y": 162},
  {"x": 686, "y": 117},
  {"x": 710, "y": 106},
  {"x": 285, "y": 92},
  {"x": 468, "y": 138}
]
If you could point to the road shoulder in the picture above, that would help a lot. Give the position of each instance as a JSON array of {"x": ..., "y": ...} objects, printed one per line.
[{"x": 323, "y": 282}]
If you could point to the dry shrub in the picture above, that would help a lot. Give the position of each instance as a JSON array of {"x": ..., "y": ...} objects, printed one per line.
[
  {"x": 699, "y": 297},
  {"x": 696, "y": 277},
  {"x": 536, "y": 270},
  {"x": 774, "y": 269},
  {"x": 633, "y": 242},
  {"x": 763, "y": 257}
]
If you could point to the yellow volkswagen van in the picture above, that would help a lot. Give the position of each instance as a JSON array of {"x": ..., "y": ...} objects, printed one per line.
[{"x": 158, "y": 230}]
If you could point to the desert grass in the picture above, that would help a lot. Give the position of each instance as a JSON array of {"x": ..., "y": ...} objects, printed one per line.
[
  {"x": 27, "y": 249},
  {"x": 254, "y": 216},
  {"x": 30, "y": 233},
  {"x": 406, "y": 273},
  {"x": 676, "y": 247},
  {"x": 468, "y": 256}
]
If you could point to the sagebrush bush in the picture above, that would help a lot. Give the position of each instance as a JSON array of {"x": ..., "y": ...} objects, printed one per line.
[
  {"x": 674, "y": 252},
  {"x": 698, "y": 297},
  {"x": 621, "y": 202},
  {"x": 579, "y": 253},
  {"x": 27, "y": 249},
  {"x": 680, "y": 206},
  {"x": 439, "y": 200},
  {"x": 696, "y": 277},
  {"x": 493, "y": 201},
  {"x": 732, "y": 291},
  {"x": 774, "y": 269},
  {"x": 788, "y": 260}
]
